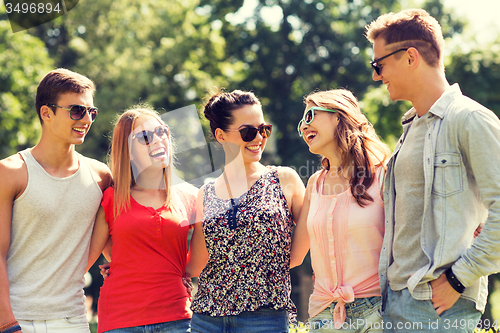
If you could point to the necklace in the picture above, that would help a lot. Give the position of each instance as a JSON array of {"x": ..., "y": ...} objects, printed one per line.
[{"x": 235, "y": 203}]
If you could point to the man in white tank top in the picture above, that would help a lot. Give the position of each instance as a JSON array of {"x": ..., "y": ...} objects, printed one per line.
[{"x": 49, "y": 195}]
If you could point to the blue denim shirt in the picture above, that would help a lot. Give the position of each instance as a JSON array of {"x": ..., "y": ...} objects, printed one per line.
[{"x": 462, "y": 190}]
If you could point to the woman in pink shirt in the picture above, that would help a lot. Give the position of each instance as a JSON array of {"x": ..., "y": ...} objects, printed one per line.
[{"x": 342, "y": 219}]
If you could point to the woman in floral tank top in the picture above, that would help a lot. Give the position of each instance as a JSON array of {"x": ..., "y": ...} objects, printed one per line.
[{"x": 242, "y": 245}]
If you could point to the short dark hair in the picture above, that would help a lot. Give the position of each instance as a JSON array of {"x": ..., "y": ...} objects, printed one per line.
[{"x": 57, "y": 82}]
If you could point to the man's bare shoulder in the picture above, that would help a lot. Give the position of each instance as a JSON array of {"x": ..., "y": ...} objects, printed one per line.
[
  {"x": 14, "y": 175},
  {"x": 102, "y": 172}
]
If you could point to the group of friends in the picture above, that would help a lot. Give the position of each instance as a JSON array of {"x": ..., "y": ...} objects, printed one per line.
[{"x": 398, "y": 242}]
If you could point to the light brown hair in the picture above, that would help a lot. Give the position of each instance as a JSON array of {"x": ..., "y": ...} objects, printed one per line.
[
  {"x": 57, "y": 82},
  {"x": 360, "y": 149},
  {"x": 120, "y": 164},
  {"x": 410, "y": 28}
]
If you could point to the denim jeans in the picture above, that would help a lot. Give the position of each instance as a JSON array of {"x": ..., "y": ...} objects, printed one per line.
[
  {"x": 77, "y": 324},
  {"x": 403, "y": 313},
  {"x": 264, "y": 320},
  {"x": 363, "y": 315},
  {"x": 176, "y": 326}
]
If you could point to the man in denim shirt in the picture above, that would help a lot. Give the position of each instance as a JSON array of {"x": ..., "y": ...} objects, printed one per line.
[{"x": 442, "y": 182}]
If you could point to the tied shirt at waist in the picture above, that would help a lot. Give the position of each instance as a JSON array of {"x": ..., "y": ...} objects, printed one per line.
[
  {"x": 341, "y": 295},
  {"x": 346, "y": 240}
]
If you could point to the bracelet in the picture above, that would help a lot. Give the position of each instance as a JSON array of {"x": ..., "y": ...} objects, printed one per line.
[
  {"x": 12, "y": 329},
  {"x": 5, "y": 326},
  {"x": 454, "y": 281}
]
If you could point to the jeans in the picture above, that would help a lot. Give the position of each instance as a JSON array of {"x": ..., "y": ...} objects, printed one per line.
[
  {"x": 264, "y": 320},
  {"x": 403, "y": 313},
  {"x": 363, "y": 315},
  {"x": 176, "y": 326},
  {"x": 77, "y": 324}
]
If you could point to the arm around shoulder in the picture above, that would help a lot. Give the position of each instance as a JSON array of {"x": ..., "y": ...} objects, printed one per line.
[
  {"x": 100, "y": 237},
  {"x": 198, "y": 254},
  {"x": 293, "y": 188},
  {"x": 301, "y": 241}
]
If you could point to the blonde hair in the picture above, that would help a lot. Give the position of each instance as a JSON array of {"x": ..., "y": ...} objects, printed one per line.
[
  {"x": 410, "y": 28},
  {"x": 119, "y": 161},
  {"x": 359, "y": 146}
]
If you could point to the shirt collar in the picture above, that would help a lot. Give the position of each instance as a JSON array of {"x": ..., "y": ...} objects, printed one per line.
[{"x": 439, "y": 107}]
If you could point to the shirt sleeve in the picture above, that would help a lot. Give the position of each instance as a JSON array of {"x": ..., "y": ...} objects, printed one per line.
[
  {"x": 107, "y": 204},
  {"x": 480, "y": 143}
]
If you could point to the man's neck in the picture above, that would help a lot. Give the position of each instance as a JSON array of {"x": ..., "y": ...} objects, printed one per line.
[
  {"x": 59, "y": 160},
  {"x": 431, "y": 88}
]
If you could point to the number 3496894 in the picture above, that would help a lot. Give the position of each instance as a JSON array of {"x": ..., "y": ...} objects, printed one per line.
[{"x": 40, "y": 8}]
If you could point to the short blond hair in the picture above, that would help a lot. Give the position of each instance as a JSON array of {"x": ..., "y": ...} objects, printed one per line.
[{"x": 410, "y": 28}]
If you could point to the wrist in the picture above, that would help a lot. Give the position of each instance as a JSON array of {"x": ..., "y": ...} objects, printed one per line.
[
  {"x": 10, "y": 327},
  {"x": 454, "y": 281}
]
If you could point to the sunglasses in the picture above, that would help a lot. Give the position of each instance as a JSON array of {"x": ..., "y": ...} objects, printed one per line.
[
  {"x": 248, "y": 133},
  {"x": 374, "y": 64},
  {"x": 309, "y": 116},
  {"x": 146, "y": 137},
  {"x": 77, "y": 112}
]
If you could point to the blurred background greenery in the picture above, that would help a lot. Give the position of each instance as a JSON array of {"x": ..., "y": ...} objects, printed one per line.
[{"x": 171, "y": 53}]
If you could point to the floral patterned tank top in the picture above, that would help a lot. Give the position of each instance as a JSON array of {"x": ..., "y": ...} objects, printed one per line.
[{"x": 248, "y": 241}]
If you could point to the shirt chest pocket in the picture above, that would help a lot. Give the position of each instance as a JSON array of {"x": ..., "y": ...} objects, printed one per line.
[{"x": 447, "y": 174}]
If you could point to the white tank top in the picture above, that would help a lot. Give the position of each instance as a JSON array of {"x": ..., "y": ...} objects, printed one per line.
[{"x": 52, "y": 224}]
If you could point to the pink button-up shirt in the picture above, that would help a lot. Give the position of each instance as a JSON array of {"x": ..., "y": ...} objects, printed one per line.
[{"x": 346, "y": 240}]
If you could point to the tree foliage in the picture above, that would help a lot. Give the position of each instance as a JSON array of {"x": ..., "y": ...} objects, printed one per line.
[
  {"x": 23, "y": 62},
  {"x": 159, "y": 52}
]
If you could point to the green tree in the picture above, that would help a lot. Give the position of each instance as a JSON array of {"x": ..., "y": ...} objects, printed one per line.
[
  {"x": 23, "y": 62},
  {"x": 316, "y": 44},
  {"x": 159, "y": 52}
]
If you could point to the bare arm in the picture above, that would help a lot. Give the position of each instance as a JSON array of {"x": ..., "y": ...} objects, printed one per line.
[
  {"x": 100, "y": 236},
  {"x": 198, "y": 254},
  {"x": 14, "y": 180},
  {"x": 300, "y": 241},
  {"x": 293, "y": 188}
]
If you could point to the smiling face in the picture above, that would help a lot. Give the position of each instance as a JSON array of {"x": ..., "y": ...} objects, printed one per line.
[
  {"x": 149, "y": 144},
  {"x": 59, "y": 123},
  {"x": 248, "y": 115},
  {"x": 319, "y": 135},
  {"x": 392, "y": 70}
]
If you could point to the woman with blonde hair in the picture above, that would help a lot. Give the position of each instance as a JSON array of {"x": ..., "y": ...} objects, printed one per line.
[
  {"x": 342, "y": 218},
  {"x": 147, "y": 221}
]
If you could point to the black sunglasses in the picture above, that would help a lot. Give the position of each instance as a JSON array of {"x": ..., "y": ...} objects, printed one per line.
[
  {"x": 77, "y": 112},
  {"x": 248, "y": 133},
  {"x": 146, "y": 137},
  {"x": 309, "y": 116},
  {"x": 374, "y": 64}
]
